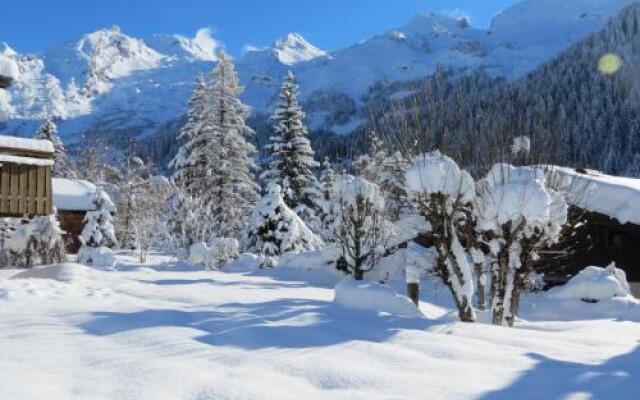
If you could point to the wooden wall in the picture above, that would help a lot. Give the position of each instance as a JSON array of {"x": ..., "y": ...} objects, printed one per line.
[
  {"x": 25, "y": 190},
  {"x": 72, "y": 223}
]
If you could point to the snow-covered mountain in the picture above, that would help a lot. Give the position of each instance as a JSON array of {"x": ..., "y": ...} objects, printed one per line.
[{"x": 111, "y": 84}]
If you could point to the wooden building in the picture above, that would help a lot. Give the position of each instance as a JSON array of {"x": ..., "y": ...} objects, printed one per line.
[
  {"x": 25, "y": 177},
  {"x": 609, "y": 210},
  {"x": 73, "y": 198}
]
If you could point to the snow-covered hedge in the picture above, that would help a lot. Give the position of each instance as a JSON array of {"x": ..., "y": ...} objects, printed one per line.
[
  {"x": 373, "y": 296},
  {"x": 593, "y": 284},
  {"x": 213, "y": 256},
  {"x": 99, "y": 257}
]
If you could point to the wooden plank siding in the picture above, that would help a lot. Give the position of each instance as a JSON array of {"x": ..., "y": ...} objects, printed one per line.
[{"x": 25, "y": 190}]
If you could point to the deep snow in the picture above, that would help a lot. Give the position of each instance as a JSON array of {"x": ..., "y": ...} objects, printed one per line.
[{"x": 168, "y": 331}]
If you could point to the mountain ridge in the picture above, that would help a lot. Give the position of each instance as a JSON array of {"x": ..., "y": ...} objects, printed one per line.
[{"x": 111, "y": 84}]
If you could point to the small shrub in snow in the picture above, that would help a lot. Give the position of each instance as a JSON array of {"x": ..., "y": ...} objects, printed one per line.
[
  {"x": 26, "y": 242},
  {"x": 373, "y": 296},
  {"x": 361, "y": 229},
  {"x": 517, "y": 214},
  {"x": 275, "y": 229},
  {"x": 444, "y": 195},
  {"x": 99, "y": 257},
  {"x": 593, "y": 284},
  {"x": 215, "y": 255}
]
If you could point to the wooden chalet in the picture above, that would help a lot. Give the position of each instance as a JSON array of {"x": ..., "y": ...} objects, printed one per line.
[
  {"x": 608, "y": 209},
  {"x": 73, "y": 198},
  {"x": 25, "y": 177}
]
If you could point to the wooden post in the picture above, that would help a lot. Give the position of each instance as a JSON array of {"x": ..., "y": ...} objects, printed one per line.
[{"x": 413, "y": 292}]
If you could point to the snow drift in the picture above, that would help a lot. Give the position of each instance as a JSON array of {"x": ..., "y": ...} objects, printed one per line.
[
  {"x": 373, "y": 296},
  {"x": 594, "y": 284},
  {"x": 65, "y": 272}
]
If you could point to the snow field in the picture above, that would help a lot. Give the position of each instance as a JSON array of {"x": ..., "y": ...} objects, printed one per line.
[{"x": 170, "y": 331}]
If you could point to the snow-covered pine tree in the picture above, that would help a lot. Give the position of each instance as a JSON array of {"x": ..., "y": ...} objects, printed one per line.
[
  {"x": 292, "y": 163},
  {"x": 233, "y": 187},
  {"x": 98, "y": 229},
  {"x": 190, "y": 164},
  {"x": 62, "y": 167},
  {"x": 330, "y": 203},
  {"x": 132, "y": 178},
  {"x": 275, "y": 229}
]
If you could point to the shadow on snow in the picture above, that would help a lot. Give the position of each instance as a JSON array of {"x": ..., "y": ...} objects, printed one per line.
[
  {"x": 287, "y": 323},
  {"x": 616, "y": 379}
]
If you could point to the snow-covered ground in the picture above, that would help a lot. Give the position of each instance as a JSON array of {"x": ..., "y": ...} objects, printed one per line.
[{"x": 168, "y": 331}]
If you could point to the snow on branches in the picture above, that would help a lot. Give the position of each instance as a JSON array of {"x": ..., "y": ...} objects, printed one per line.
[
  {"x": 291, "y": 164},
  {"x": 63, "y": 166},
  {"x": 98, "y": 232},
  {"x": 517, "y": 215},
  {"x": 275, "y": 229},
  {"x": 361, "y": 228}
]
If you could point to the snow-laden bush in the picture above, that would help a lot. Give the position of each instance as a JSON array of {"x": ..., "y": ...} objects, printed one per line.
[
  {"x": 517, "y": 214},
  {"x": 593, "y": 284},
  {"x": 275, "y": 229},
  {"x": 361, "y": 228},
  {"x": 98, "y": 257},
  {"x": 373, "y": 296},
  {"x": 27, "y": 242},
  {"x": 215, "y": 255},
  {"x": 98, "y": 228},
  {"x": 444, "y": 195}
]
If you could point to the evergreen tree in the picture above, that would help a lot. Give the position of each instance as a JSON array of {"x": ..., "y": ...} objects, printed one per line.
[
  {"x": 291, "y": 165},
  {"x": 275, "y": 229},
  {"x": 233, "y": 187},
  {"x": 190, "y": 164},
  {"x": 329, "y": 200},
  {"x": 98, "y": 229},
  {"x": 62, "y": 167}
]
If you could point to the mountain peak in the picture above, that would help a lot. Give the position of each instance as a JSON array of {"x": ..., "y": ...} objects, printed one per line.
[
  {"x": 201, "y": 47},
  {"x": 293, "y": 48}
]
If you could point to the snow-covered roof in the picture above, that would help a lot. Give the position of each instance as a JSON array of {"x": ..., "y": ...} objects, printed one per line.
[
  {"x": 25, "y": 160},
  {"x": 615, "y": 196},
  {"x": 73, "y": 194},
  {"x": 8, "y": 67},
  {"x": 18, "y": 143}
]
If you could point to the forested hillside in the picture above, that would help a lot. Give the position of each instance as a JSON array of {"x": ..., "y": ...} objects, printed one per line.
[{"x": 574, "y": 112}]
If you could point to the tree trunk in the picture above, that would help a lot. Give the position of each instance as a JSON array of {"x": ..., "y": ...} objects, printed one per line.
[
  {"x": 413, "y": 292},
  {"x": 480, "y": 286}
]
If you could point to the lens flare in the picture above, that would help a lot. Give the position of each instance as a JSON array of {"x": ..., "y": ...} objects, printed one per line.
[{"x": 609, "y": 64}]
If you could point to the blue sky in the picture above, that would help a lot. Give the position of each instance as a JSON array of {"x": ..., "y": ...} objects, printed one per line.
[{"x": 31, "y": 25}]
